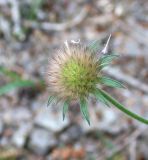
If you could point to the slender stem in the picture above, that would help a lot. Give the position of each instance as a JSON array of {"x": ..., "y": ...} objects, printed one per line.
[{"x": 122, "y": 108}]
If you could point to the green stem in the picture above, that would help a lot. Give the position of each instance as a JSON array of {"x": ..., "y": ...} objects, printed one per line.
[{"x": 122, "y": 108}]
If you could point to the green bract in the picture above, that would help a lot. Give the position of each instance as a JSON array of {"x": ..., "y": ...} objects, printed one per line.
[{"x": 74, "y": 73}]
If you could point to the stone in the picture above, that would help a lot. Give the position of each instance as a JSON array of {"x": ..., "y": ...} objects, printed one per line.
[
  {"x": 5, "y": 142},
  {"x": 112, "y": 122},
  {"x": 19, "y": 137},
  {"x": 142, "y": 150},
  {"x": 41, "y": 141},
  {"x": 71, "y": 134},
  {"x": 23, "y": 114},
  {"x": 4, "y": 2},
  {"x": 51, "y": 120}
]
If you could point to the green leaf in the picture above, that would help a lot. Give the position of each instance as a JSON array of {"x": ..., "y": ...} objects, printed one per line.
[
  {"x": 101, "y": 97},
  {"x": 105, "y": 60},
  {"x": 94, "y": 46},
  {"x": 11, "y": 74},
  {"x": 122, "y": 108},
  {"x": 65, "y": 108},
  {"x": 84, "y": 109},
  {"x": 110, "y": 82},
  {"x": 50, "y": 100},
  {"x": 35, "y": 6},
  {"x": 16, "y": 84}
]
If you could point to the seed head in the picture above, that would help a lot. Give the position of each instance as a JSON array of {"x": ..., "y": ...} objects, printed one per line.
[{"x": 73, "y": 74}]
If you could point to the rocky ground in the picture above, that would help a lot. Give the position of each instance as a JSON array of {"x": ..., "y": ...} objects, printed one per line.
[{"x": 29, "y": 33}]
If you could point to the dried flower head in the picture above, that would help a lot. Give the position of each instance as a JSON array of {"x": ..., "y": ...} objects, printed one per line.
[{"x": 74, "y": 73}]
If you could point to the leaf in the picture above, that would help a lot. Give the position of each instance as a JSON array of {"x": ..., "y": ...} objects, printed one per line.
[
  {"x": 84, "y": 109},
  {"x": 65, "y": 108},
  {"x": 101, "y": 97},
  {"x": 50, "y": 100},
  {"x": 94, "y": 46},
  {"x": 11, "y": 74},
  {"x": 16, "y": 84},
  {"x": 106, "y": 60},
  {"x": 35, "y": 6},
  {"x": 110, "y": 82}
]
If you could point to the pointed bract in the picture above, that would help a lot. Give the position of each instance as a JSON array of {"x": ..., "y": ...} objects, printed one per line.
[
  {"x": 105, "y": 60},
  {"x": 65, "y": 108},
  {"x": 110, "y": 82},
  {"x": 84, "y": 109},
  {"x": 50, "y": 100},
  {"x": 94, "y": 46}
]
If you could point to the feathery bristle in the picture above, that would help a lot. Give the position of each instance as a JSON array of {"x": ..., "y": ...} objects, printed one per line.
[{"x": 72, "y": 73}]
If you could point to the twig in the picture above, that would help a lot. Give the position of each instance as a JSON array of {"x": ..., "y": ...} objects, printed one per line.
[
  {"x": 118, "y": 74},
  {"x": 11, "y": 153},
  {"x": 5, "y": 27},
  {"x": 130, "y": 139},
  {"x": 136, "y": 33},
  {"x": 15, "y": 16},
  {"x": 101, "y": 20},
  {"x": 46, "y": 26},
  {"x": 132, "y": 150}
]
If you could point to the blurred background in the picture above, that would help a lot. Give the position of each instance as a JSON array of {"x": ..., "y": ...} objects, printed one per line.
[{"x": 30, "y": 30}]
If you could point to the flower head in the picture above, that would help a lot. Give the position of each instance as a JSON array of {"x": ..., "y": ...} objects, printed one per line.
[{"x": 74, "y": 73}]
